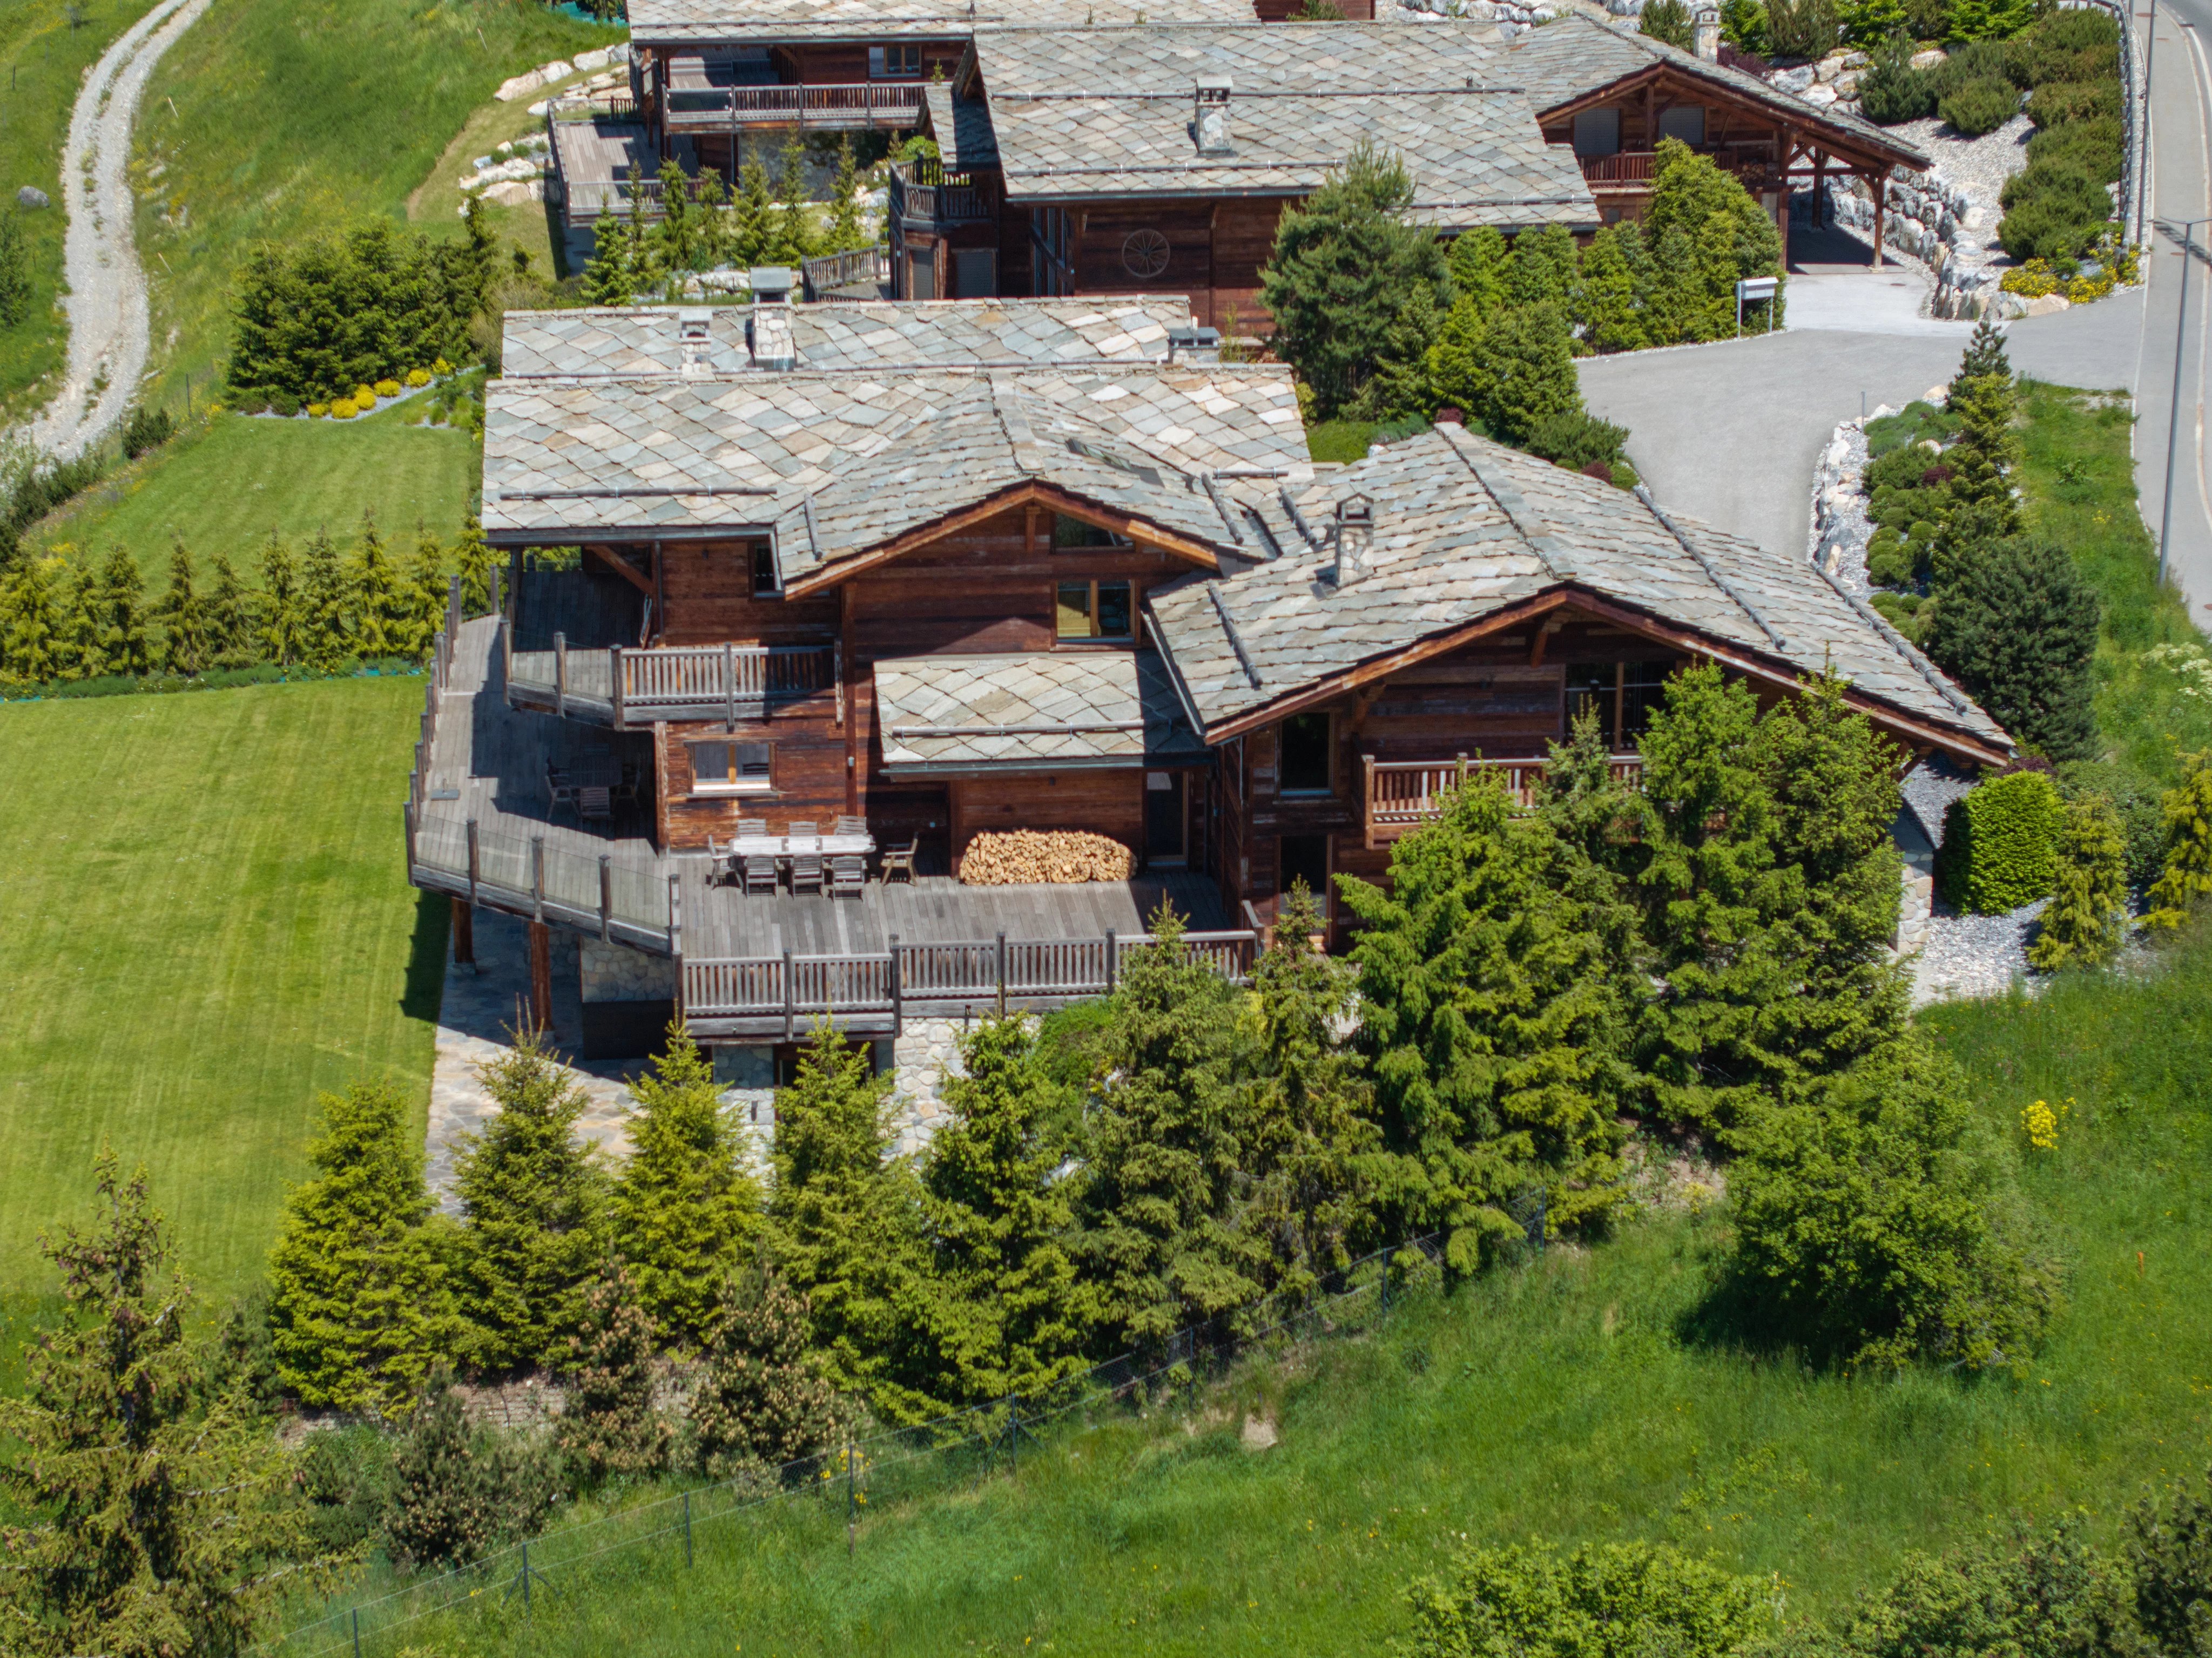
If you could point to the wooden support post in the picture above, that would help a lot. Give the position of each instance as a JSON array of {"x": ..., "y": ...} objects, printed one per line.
[
  {"x": 615, "y": 680},
  {"x": 675, "y": 925},
  {"x": 898, "y": 994},
  {"x": 1002, "y": 975},
  {"x": 496, "y": 606},
  {"x": 1367, "y": 804},
  {"x": 1113, "y": 959},
  {"x": 1620, "y": 704},
  {"x": 541, "y": 977},
  {"x": 561, "y": 675},
  {"x": 473, "y": 860},
  {"x": 606, "y": 894},
  {"x": 730, "y": 685},
  {"x": 1879, "y": 184},
  {"x": 465, "y": 933},
  {"x": 789, "y": 1011},
  {"x": 538, "y": 877}
]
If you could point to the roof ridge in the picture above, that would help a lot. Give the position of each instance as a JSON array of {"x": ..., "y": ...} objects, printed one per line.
[
  {"x": 1938, "y": 681},
  {"x": 1550, "y": 553},
  {"x": 1712, "y": 573}
]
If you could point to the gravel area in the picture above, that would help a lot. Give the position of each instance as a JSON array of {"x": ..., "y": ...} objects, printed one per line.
[
  {"x": 1979, "y": 167},
  {"x": 105, "y": 301}
]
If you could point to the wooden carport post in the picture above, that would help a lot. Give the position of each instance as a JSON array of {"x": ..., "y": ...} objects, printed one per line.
[
  {"x": 1877, "y": 186},
  {"x": 541, "y": 977},
  {"x": 464, "y": 932}
]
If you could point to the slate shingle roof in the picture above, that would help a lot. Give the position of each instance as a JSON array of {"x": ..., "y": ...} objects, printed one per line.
[
  {"x": 1081, "y": 114},
  {"x": 642, "y": 341},
  {"x": 1466, "y": 527},
  {"x": 654, "y": 22},
  {"x": 1563, "y": 60},
  {"x": 834, "y": 464},
  {"x": 962, "y": 127},
  {"x": 1046, "y": 709}
]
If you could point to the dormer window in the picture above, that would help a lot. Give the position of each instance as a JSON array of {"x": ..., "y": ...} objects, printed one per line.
[{"x": 1211, "y": 120}]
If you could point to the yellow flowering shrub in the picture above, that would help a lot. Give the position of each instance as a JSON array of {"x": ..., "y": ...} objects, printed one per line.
[
  {"x": 387, "y": 388},
  {"x": 2082, "y": 289},
  {"x": 2040, "y": 1124},
  {"x": 344, "y": 409},
  {"x": 418, "y": 377},
  {"x": 441, "y": 366},
  {"x": 2031, "y": 280},
  {"x": 317, "y": 410}
]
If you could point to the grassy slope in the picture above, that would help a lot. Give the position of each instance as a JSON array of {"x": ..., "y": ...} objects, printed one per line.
[
  {"x": 296, "y": 117},
  {"x": 1566, "y": 1400},
  {"x": 42, "y": 63},
  {"x": 222, "y": 487},
  {"x": 204, "y": 921}
]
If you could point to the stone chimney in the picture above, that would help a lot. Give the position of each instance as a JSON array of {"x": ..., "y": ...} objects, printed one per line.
[
  {"x": 1353, "y": 532},
  {"x": 1209, "y": 118},
  {"x": 1705, "y": 24}
]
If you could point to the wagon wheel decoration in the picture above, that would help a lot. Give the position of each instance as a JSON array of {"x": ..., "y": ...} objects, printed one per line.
[{"x": 1144, "y": 253}]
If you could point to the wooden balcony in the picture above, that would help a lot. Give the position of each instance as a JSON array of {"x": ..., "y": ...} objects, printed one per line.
[
  {"x": 1401, "y": 795},
  {"x": 1631, "y": 170},
  {"x": 924, "y": 196},
  {"x": 855, "y": 107},
  {"x": 624, "y": 686}
]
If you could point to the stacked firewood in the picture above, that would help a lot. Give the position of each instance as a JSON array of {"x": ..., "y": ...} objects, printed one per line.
[{"x": 1027, "y": 857}]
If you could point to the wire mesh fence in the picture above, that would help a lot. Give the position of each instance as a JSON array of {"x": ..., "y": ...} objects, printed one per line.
[{"x": 883, "y": 1469}]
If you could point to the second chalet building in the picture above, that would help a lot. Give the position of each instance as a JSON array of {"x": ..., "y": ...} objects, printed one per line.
[{"x": 895, "y": 574}]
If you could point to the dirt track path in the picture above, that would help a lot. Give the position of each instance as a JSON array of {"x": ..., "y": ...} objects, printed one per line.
[{"x": 108, "y": 321}]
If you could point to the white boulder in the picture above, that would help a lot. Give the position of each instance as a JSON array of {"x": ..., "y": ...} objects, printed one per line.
[
  {"x": 555, "y": 70},
  {"x": 521, "y": 86},
  {"x": 1821, "y": 97},
  {"x": 1793, "y": 79},
  {"x": 2046, "y": 305},
  {"x": 591, "y": 60},
  {"x": 1928, "y": 58}
]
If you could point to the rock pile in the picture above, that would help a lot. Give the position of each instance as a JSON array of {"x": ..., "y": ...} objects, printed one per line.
[
  {"x": 522, "y": 85},
  {"x": 1031, "y": 857}
]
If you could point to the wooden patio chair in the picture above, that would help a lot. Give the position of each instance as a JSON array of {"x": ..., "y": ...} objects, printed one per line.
[
  {"x": 852, "y": 825},
  {"x": 721, "y": 860},
  {"x": 752, "y": 829},
  {"x": 760, "y": 875},
  {"x": 806, "y": 871},
  {"x": 799, "y": 828},
  {"x": 559, "y": 791},
  {"x": 901, "y": 859},
  {"x": 849, "y": 873},
  {"x": 595, "y": 806}
]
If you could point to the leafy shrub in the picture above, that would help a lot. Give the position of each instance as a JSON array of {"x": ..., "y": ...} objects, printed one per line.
[
  {"x": 2086, "y": 922},
  {"x": 2170, "y": 1550},
  {"x": 1803, "y": 28},
  {"x": 1576, "y": 439},
  {"x": 1974, "y": 60},
  {"x": 1900, "y": 468},
  {"x": 284, "y": 403},
  {"x": 1892, "y": 90},
  {"x": 2035, "y": 1597},
  {"x": 2001, "y": 844},
  {"x": 344, "y": 409},
  {"x": 317, "y": 410},
  {"x": 1978, "y": 106},
  {"x": 2062, "y": 101},
  {"x": 1669, "y": 20},
  {"x": 15, "y": 270},
  {"x": 1910, "y": 424},
  {"x": 2076, "y": 44},
  {"x": 345, "y": 1479},
  {"x": 390, "y": 388},
  {"x": 2134, "y": 797},
  {"x": 2051, "y": 213},
  {"x": 2017, "y": 627},
  {"x": 458, "y": 1493},
  {"x": 147, "y": 428},
  {"x": 1743, "y": 29},
  {"x": 418, "y": 378},
  {"x": 364, "y": 396},
  {"x": 2091, "y": 146},
  {"x": 1645, "y": 1598}
]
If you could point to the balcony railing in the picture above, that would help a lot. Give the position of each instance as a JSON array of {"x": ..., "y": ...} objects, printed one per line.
[
  {"x": 1634, "y": 166},
  {"x": 782, "y": 995},
  {"x": 924, "y": 195},
  {"x": 1404, "y": 794},
  {"x": 866, "y": 104},
  {"x": 858, "y": 266},
  {"x": 624, "y": 686}
]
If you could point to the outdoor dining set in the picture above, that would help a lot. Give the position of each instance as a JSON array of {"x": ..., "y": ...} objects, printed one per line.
[
  {"x": 595, "y": 786},
  {"x": 836, "y": 862}
]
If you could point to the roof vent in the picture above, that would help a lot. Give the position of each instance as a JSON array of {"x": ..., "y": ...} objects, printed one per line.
[
  {"x": 772, "y": 283},
  {"x": 1353, "y": 532},
  {"x": 1189, "y": 337},
  {"x": 1210, "y": 120}
]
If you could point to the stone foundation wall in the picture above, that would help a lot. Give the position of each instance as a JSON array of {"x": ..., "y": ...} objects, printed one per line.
[
  {"x": 921, "y": 1061},
  {"x": 616, "y": 973}
]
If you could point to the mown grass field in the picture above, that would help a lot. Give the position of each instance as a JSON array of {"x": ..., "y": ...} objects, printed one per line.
[
  {"x": 46, "y": 46},
  {"x": 204, "y": 920},
  {"x": 222, "y": 485},
  {"x": 294, "y": 117},
  {"x": 1572, "y": 1399}
]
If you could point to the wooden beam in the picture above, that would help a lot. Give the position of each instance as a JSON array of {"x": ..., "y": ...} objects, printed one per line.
[
  {"x": 622, "y": 566},
  {"x": 464, "y": 932},
  {"x": 541, "y": 977}
]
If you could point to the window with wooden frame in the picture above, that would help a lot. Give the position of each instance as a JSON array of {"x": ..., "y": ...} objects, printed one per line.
[
  {"x": 895, "y": 63},
  {"x": 1095, "y": 609},
  {"x": 1308, "y": 755},
  {"x": 720, "y": 767},
  {"x": 766, "y": 579}
]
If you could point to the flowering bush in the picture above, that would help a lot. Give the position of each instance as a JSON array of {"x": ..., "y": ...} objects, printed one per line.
[
  {"x": 344, "y": 409},
  {"x": 387, "y": 388},
  {"x": 441, "y": 366},
  {"x": 2039, "y": 1122},
  {"x": 418, "y": 377},
  {"x": 317, "y": 410},
  {"x": 2031, "y": 280},
  {"x": 364, "y": 396}
]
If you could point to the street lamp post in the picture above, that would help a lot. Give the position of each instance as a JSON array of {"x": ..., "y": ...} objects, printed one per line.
[{"x": 2173, "y": 413}]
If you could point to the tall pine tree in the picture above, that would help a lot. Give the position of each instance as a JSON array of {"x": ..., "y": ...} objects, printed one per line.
[
  {"x": 609, "y": 1427},
  {"x": 763, "y": 1401},
  {"x": 382, "y": 624},
  {"x": 283, "y": 605},
  {"x": 184, "y": 618},
  {"x": 230, "y": 618},
  {"x": 119, "y": 615},
  {"x": 326, "y": 629}
]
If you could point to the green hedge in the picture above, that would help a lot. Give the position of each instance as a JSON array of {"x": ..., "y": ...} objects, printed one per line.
[{"x": 2001, "y": 844}]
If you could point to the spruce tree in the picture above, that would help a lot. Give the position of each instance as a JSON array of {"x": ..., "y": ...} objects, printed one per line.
[
  {"x": 845, "y": 1222},
  {"x": 792, "y": 234},
  {"x": 1529, "y": 369},
  {"x": 473, "y": 557},
  {"x": 1608, "y": 312},
  {"x": 1987, "y": 449},
  {"x": 1311, "y": 1143},
  {"x": 685, "y": 1210},
  {"x": 119, "y": 613},
  {"x": 1458, "y": 367},
  {"x": 184, "y": 619},
  {"x": 1542, "y": 269},
  {"x": 380, "y": 604},
  {"x": 1343, "y": 265},
  {"x": 2017, "y": 627},
  {"x": 844, "y": 231},
  {"x": 609, "y": 1427},
  {"x": 283, "y": 605},
  {"x": 424, "y": 591},
  {"x": 359, "y": 1311},
  {"x": 533, "y": 1206},
  {"x": 2086, "y": 922},
  {"x": 230, "y": 618},
  {"x": 677, "y": 234},
  {"x": 763, "y": 1401},
  {"x": 1477, "y": 265},
  {"x": 458, "y": 1493},
  {"x": 1488, "y": 1029},
  {"x": 325, "y": 605},
  {"x": 1400, "y": 386},
  {"x": 2186, "y": 876},
  {"x": 1163, "y": 1236},
  {"x": 713, "y": 200},
  {"x": 149, "y": 1518},
  {"x": 31, "y": 628},
  {"x": 82, "y": 653},
  {"x": 1674, "y": 308},
  {"x": 1984, "y": 356},
  {"x": 1011, "y": 1314},
  {"x": 750, "y": 210},
  {"x": 609, "y": 276},
  {"x": 1688, "y": 191}
]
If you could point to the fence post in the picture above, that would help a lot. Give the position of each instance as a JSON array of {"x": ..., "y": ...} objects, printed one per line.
[
  {"x": 356, "y": 1633},
  {"x": 674, "y": 927},
  {"x": 614, "y": 682},
  {"x": 1002, "y": 975},
  {"x": 537, "y": 877},
  {"x": 687, "y": 1533},
  {"x": 898, "y": 994},
  {"x": 561, "y": 675},
  {"x": 1113, "y": 959},
  {"x": 1463, "y": 769},
  {"x": 473, "y": 860},
  {"x": 789, "y": 989},
  {"x": 606, "y": 894},
  {"x": 729, "y": 684},
  {"x": 852, "y": 1510},
  {"x": 525, "y": 1583}
]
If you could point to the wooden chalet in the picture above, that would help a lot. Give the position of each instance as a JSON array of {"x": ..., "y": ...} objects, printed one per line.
[{"x": 1023, "y": 564}]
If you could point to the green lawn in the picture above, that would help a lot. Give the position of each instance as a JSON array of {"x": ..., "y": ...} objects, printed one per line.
[
  {"x": 296, "y": 117},
  {"x": 1572, "y": 1399},
  {"x": 204, "y": 920},
  {"x": 223, "y": 486},
  {"x": 44, "y": 54}
]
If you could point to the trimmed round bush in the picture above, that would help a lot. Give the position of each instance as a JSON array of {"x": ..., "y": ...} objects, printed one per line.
[
  {"x": 2001, "y": 844},
  {"x": 2061, "y": 101},
  {"x": 418, "y": 377},
  {"x": 1978, "y": 106},
  {"x": 363, "y": 397},
  {"x": 441, "y": 366},
  {"x": 2091, "y": 148},
  {"x": 1894, "y": 91},
  {"x": 387, "y": 388},
  {"x": 2057, "y": 221},
  {"x": 285, "y": 404},
  {"x": 317, "y": 410},
  {"x": 344, "y": 409}
]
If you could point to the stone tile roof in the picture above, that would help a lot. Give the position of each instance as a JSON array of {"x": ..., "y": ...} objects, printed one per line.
[
  {"x": 654, "y": 22},
  {"x": 1466, "y": 527},
  {"x": 1082, "y": 114},
  {"x": 1033, "y": 711},
  {"x": 644, "y": 341},
  {"x": 1576, "y": 55},
  {"x": 834, "y": 464},
  {"x": 962, "y": 127}
]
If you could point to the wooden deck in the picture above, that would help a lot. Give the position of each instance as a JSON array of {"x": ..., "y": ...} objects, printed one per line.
[{"x": 482, "y": 829}]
